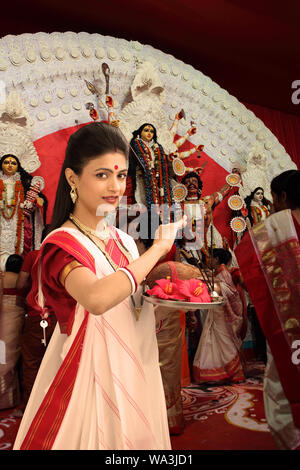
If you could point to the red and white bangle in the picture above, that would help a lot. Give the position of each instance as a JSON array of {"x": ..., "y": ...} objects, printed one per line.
[
  {"x": 131, "y": 277},
  {"x": 134, "y": 278}
]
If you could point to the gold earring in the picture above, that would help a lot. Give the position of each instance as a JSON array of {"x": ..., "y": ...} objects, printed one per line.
[{"x": 73, "y": 194}]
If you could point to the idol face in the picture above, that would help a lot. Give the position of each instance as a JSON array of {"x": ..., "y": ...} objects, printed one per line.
[
  {"x": 147, "y": 133},
  {"x": 258, "y": 196},
  {"x": 9, "y": 166},
  {"x": 192, "y": 187}
]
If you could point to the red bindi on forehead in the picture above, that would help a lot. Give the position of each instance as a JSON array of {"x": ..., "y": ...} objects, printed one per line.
[{"x": 116, "y": 167}]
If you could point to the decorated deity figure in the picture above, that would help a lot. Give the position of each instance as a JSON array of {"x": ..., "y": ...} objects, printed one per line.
[
  {"x": 150, "y": 169},
  {"x": 150, "y": 177},
  {"x": 194, "y": 208},
  {"x": 253, "y": 192},
  {"x": 200, "y": 211},
  {"x": 157, "y": 157},
  {"x": 156, "y": 146},
  {"x": 257, "y": 205},
  {"x": 22, "y": 204},
  {"x": 22, "y": 209}
]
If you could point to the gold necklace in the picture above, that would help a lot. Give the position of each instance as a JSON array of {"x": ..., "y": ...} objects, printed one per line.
[{"x": 102, "y": 234}]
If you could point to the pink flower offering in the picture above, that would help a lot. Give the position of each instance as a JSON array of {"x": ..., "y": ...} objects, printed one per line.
[
  {"x": 192, "y": 290},
  {"x": 195, "y": 291},
  {"x": 165, "y": 289}
]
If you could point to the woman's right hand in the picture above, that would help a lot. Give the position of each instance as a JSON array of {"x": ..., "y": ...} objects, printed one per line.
[{"x": 166, "y": 234}]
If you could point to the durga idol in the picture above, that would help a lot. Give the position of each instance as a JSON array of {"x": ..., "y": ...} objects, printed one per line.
[{"x": 22, "y": 209}]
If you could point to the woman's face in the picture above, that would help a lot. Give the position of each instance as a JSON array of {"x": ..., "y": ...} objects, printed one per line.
[
  {"x": 9, "y": 166},
  {"x": 101, "y": 184},
  {"x": 258, "y": 195},
  {"x": 147, "y": 133}
]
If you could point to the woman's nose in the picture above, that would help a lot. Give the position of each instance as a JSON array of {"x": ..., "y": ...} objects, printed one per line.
[{"x": 114, "y": 184}]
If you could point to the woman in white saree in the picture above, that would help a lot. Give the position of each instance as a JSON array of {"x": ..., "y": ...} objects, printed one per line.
[
  {"x": 217, "y": 358},
  {"x": 99, "y": 385}
]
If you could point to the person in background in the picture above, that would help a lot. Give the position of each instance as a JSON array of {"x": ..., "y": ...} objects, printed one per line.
[
  {"x": 238, "y": 281},
  {"x": 269, "y": 259},
  {"x": 11, "y": 322},
  {"x": 218, "y": 357}
]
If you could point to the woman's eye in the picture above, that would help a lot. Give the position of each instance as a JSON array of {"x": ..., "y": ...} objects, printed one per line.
[
  {"x": 123, "y": 176},
  {"x": 101, "y": 175}
]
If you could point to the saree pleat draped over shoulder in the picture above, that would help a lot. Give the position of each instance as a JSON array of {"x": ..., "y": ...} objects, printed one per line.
[{"x": 98, "y": 387}]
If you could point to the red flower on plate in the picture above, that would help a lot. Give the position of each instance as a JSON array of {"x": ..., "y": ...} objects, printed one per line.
[
  {"x": 165, "y": 289},
  {"x": 192, "y": 290},
  {"x": 195, "y": 290}
]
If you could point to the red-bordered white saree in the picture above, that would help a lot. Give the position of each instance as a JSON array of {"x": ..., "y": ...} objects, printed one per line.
[
  {"x": 218, "y": 354},
  {"x": 100, "y": 386}
]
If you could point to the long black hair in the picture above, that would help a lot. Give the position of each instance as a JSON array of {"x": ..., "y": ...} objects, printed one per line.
[
  {"x": 288, "y": 182},
  {"x": 87, "y": 143},
  {"x": 250, "y": 198}
]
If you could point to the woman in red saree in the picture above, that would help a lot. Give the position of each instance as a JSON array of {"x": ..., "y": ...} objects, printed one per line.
[
  {"x": 218, "y": 354},
  {"x": 269, "y": 258},
  {"x": 99, "y": 384}
]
